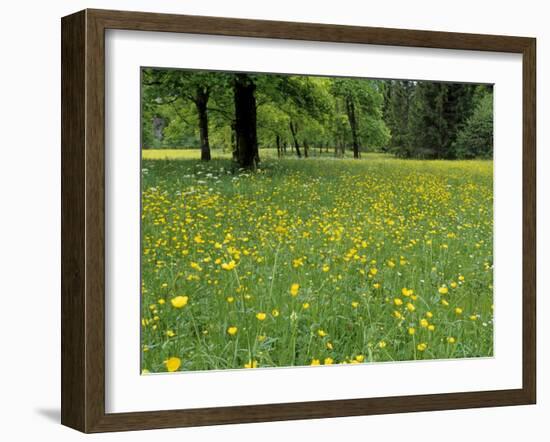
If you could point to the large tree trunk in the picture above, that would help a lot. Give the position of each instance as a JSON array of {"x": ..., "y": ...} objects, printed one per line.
[
  {"x": 245, "y": 121},
  {"x": 293, "y": 130},
  {"x": 201, "y": 101},
  {"x": 350, "y": 105}
]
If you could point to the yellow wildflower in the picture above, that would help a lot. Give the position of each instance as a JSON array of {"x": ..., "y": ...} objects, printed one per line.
[
  {"x": 229, "y": 265},
  {"x": 179, "y": 301},
  {"x": 173, "y": 363},
  {"x": 422, "y": 346}
]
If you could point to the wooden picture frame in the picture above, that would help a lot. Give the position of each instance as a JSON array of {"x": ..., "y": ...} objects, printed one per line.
[{"x": 83, "y": 220}]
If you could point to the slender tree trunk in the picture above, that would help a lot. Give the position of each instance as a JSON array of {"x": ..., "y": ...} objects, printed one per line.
[
  {"x": 350, "y": 105},
  {"x": 201, "y": 102},
  {"x": 233, "y": 141},
  {"x": 279, "y": 150},
  {"x": 306, "y": 149},
  {"x": 245, "y": 121},
  {"x": 343, "y": 147},
  {"x": 293, "y": 130}
]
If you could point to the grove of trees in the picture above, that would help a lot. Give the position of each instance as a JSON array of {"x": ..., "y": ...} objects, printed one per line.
[{"x": 303, "y": 116}]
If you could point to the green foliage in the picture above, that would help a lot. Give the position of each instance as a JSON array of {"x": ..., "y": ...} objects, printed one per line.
[
  {"x": 398, "y": 96},
  {"x": 476, "y": 138},
  {"x": 425, "y": 118},
  {"x": 362, "y": 101},
  {"x": 411, "y": 119}
]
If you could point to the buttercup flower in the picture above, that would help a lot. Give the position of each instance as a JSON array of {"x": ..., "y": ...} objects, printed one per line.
[{"x": 179, "y": 301}]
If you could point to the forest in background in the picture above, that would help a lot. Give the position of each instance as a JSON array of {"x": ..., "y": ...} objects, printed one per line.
[{"x": 303, "y": 115}]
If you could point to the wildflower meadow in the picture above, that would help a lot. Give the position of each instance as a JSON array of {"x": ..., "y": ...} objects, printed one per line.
[
  {"x": 295, "y": 220},
  {"x": 314, "y": 262}
]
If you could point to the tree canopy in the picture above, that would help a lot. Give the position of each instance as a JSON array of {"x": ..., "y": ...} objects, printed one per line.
[{"x": 297, "y": 114}]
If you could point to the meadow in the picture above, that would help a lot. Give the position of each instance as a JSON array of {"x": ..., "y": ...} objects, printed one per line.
[{"x": 314, "y": 261}]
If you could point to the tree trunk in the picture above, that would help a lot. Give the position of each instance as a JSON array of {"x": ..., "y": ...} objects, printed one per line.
[
  {"x": 201, "y": 101},
  {"x": 293, "y": 130},
  {"x": 245, "y": 121},
  {"x": 306, "y": 149},
  {"x": 279, "y": 149},
  {"x": 233, "y": 141},
  {"x": 350, "y": 105}
]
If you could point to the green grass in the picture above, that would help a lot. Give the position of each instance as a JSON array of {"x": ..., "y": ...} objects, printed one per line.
[
  {"x": 267, "y": 153},
  {"x": 373, "y": 244}
]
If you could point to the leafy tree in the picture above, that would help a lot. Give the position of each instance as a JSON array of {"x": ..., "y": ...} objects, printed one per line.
[
  {"x": 398, "y": 97},
  {"x": 169, "y": 86},
  {"x": 476, "y": 138},
  {"x": 362, "y": 101},
  {"x": 305, "y": 100},
  {"x": 436, "y": 114}
]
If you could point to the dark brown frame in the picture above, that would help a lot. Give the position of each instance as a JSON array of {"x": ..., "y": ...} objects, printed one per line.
[{"x": 83, "y": 215}]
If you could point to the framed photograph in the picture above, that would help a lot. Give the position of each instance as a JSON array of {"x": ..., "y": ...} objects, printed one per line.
[{"x": 268, "y": 220}]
